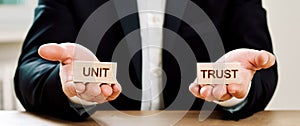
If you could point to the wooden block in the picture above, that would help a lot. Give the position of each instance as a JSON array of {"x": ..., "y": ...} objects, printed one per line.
[
  {"x": 218, "y": 73},
  {"x": 98, "y": 72}
]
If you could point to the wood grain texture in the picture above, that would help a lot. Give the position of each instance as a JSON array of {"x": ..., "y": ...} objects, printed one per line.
[{"x": 153, "y": 118}]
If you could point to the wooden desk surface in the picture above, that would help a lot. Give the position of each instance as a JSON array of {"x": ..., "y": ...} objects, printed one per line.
[{"x": 153, "y": 118}]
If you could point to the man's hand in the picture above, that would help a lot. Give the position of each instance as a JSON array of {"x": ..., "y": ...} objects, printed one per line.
[
  {"x": 250, "y": 60},
  {"x": 66, "y": 53}
]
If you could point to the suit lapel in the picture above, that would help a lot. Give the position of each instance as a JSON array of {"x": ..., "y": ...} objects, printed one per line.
[
  {"x": 174, "y": 12},
  {"x": 174, "y": 8},
  {"x": 128, "y": 9}
]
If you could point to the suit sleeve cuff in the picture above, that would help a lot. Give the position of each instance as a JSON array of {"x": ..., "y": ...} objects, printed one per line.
[
  {"x": 233, "y": 101},
  {"x": 80, "y": 101}
]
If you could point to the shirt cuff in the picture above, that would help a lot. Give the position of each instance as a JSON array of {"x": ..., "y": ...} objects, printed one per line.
[
  {"x": 233, "y": 101},
  {"x": 80, "y": 101}
]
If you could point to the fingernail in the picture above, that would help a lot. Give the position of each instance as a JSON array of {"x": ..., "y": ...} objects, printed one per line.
[
  {"x": 194, "y": 88},
  {"x": 232, "y": 91},
  {"x": 79, "y": 88}
]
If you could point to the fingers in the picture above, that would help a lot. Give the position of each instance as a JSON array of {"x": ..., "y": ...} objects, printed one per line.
[
  {"x": 100, "y": 94},
  {"x": 69, "y": 89},
  {"x": 203, "y": 92},
  {"x": 92, "y": 91},
  {"x": 106, "y": 90},
  {"x": 210, "y": 92},
  {"x": 195, "y": 90},
  {"x": 206, "y": 92},
  {"x": 116, "y": 92},
  {"x": 250, "y": 60},
  {"x": 220, "y": 92},
  {"x": 65, "y": 52},
  {"x": 237, "y": 90},
  {"x": 264, "y": 60},
  {"x": 80, "y": 87},
  {"x": 56, "y": 52}
]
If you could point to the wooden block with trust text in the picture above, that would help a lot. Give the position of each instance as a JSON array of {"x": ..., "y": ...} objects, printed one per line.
[
  {"x": 97, "y": 72},
  {"x": 218, "y": 73}
]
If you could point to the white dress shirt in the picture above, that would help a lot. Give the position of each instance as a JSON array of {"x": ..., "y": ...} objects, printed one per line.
[{"x": 151, "y": 14}]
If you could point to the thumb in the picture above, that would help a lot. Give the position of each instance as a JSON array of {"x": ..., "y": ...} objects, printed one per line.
[
  {"x": 263, "y": 60},
  {"x": 55, "y": 52}
]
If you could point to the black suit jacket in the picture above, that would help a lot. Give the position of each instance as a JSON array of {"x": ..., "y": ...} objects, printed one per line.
[{"x": 240, "y": 23}]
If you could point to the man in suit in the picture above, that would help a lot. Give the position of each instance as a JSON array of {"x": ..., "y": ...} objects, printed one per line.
[{"x": 43, "y": 80}]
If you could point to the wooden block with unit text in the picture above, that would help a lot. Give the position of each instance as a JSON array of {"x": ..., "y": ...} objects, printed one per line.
[{"x": 95, "y": 72}]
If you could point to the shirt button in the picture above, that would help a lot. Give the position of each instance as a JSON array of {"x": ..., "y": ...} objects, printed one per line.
[
  {"x": 156, "y": 72},
  {"x": 155, "y": 19}
]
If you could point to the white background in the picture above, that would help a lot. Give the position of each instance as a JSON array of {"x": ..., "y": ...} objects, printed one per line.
[{"x": 284, "y": 19}]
